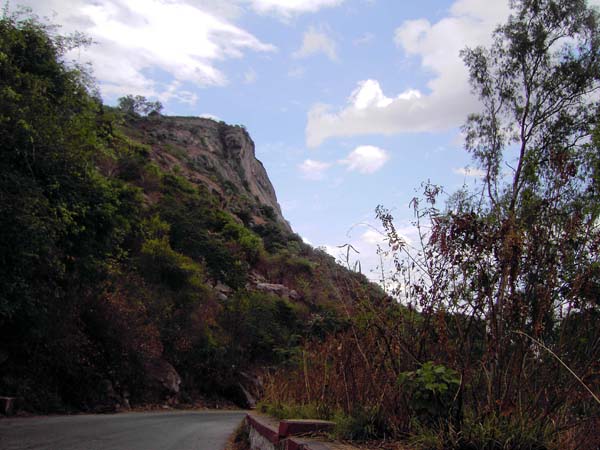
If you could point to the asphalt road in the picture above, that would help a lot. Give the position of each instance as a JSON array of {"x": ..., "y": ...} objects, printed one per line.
[{"x": 179, "y": 430}]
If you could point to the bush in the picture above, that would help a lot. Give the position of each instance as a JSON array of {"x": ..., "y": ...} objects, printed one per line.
[
  {"x": 362, "y": 424},
  {"x": 431, "y": 390},
  {"x": 274, "y": 237},
  {"x": 259, "y": 324},
  {"x": 250, "y": 243},
  {"x": 162, "y": 265},
  {"x": 488, "y": 433},
  {"x": 268, "y": 212}
]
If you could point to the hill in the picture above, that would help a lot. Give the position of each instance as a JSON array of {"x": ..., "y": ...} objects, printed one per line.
[{"x": 146, "y": 259}]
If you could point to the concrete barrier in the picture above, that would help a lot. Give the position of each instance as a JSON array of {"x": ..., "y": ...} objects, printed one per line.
[
  {"x": 267, "y": 434},
  {"x": 263, "y": 433}
]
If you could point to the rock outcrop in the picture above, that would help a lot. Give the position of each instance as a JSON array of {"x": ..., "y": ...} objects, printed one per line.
[
  {"x": 162, "y": 382},
  {"x": 218, "y": 156},
  {"x": 110, "y": 400},
  {"x": 278, "y": 289}
]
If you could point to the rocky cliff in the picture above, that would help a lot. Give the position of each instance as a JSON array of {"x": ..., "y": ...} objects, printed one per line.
[{"x": 216, "y": 155}]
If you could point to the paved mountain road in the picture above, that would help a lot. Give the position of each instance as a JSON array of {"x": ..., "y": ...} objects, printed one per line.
[{"x": 179, "y": 430}]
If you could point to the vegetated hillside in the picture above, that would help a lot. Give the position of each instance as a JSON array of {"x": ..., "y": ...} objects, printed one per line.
[{"x": 144, "y": 259}]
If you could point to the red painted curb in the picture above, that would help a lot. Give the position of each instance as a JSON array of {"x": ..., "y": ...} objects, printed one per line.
[{"x": 287, "y": 443}]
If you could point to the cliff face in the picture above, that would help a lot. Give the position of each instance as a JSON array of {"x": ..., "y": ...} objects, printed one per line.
[{"x": 216, "y": 155}]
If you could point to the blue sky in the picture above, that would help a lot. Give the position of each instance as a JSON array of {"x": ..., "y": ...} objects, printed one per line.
[{"x": 351, "y": 103}]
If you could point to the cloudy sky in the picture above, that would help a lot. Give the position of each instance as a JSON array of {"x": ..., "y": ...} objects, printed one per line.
[{"x": 351, "y": 103}]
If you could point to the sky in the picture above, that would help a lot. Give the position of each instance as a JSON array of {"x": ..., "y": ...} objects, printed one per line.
[{"x": 351, "y": 103}]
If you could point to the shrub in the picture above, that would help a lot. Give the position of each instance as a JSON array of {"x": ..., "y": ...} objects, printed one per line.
[
  {"x": 250, "y": 243},
  {"x": 268, "y": 212},
  {"x": 432, "y": 390},
  {"x": 162, "y": 265},
  {"x": 493, "y": 432},
  {"x": 362, "y": 424},
  {"x": 259, "y": 324}
]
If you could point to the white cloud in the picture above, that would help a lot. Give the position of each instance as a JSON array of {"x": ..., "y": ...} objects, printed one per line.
[
  {"x": 409, "y": 233},
  {"x": 368, "y": 94},
  {"x": 134, "y": 37},
  {"x": 317, "y": 41},
  {"x": 366, "y": 159},
  {"x": 373, "y": 237},
  {"x": 313, "y": 170},
  {"x": 174, "y": 91},
  {"x": 287, "y": 8},
  {"x": 448, "y": 100},
  {"x": 364, "y": 250},
  {"x": 469, "y": 172}
]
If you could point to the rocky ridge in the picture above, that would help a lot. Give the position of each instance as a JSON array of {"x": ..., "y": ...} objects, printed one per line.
[{"x": 217, "y": 155}]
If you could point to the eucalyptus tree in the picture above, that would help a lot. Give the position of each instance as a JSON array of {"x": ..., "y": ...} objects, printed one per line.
[
  {"x": 521, "y": 255},
  {"x": 538, "y": 85}
]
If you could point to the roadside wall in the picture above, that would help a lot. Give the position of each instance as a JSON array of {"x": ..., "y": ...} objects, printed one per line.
[
  {"x": 260, "y": 442},
  {"x": 266, "y": 434}
]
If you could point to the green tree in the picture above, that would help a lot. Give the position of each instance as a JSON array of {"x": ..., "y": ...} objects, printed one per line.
[
  {"x": 139, "y": 106},
  {"x": 522, "y": 254},
  {"x": 44, "y": 109},
  {"x": 536, "y": 84},
  {"x": 62, "y": 224}
]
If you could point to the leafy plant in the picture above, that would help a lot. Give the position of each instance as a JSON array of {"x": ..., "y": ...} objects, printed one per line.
[{"x": 431, "y": 389}]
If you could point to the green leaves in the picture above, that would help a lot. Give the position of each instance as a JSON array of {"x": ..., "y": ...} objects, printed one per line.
[
  {"x": 162, "y": 265},
  {"x": 431, "y": 390},
  {"x": 139, "y": 105},
  {"x": 259, "y": 324}
]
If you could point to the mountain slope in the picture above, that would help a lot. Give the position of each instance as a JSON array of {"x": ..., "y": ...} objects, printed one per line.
[{"x": 145, "y": 260}]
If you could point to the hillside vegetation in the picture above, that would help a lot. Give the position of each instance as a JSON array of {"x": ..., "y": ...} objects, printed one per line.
[
  {"x": 129, "y": 276},
  {"x": 145, "y": 259}
]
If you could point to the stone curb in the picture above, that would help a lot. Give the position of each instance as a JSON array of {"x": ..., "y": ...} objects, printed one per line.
[
  {"x": 263, "y": 428},
  {"x": 281, "y": 438}
]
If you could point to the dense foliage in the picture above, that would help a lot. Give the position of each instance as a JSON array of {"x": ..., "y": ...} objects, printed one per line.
[
  {"x": 109, "y": 262},
  {"x": 139, "y": 105},
  {"x": 495, "y": 343}
]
